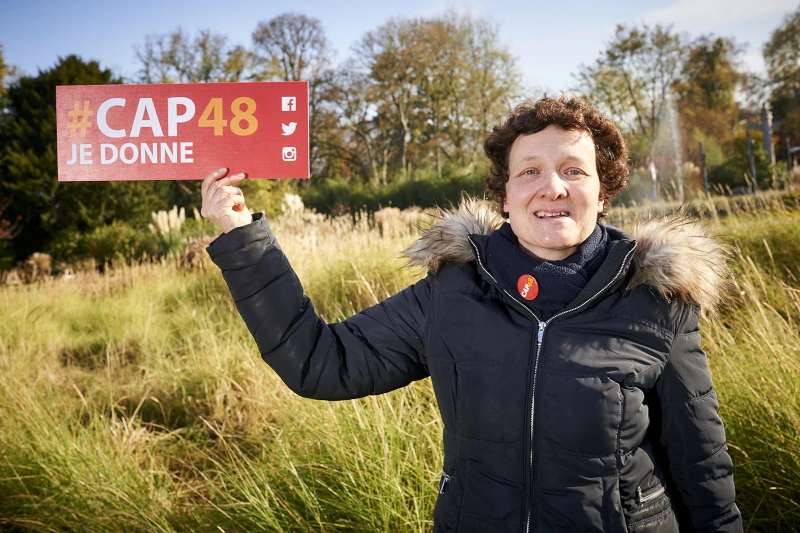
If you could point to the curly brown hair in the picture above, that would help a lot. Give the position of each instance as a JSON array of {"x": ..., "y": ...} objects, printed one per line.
[{"x": 572, "y": 114}]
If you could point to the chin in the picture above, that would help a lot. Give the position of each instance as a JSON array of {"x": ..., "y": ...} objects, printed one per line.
[{"x": 557, "y": 242}]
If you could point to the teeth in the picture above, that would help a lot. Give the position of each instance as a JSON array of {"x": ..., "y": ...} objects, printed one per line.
[{"x": 542, "y": 214}]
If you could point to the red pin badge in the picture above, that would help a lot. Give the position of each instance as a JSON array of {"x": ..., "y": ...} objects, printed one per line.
[{"x": 528, "y": 287}]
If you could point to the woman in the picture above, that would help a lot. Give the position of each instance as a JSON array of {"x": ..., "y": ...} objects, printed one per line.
[{"x": 564, "y": 355}]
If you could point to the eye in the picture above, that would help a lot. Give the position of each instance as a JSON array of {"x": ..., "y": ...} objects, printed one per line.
[
  {"x": 529, "y": 172},
  {"x": 574, "y": 172}
]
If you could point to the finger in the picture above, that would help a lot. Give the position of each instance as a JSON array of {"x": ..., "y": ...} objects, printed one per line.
[
  {"x": 220, "y": 192},
  {"x": 222, "y": 200},
  {"x": 211, "y": 178},
  {"x": 225, "y": 182},
  {"x": 235, "y": 179}
]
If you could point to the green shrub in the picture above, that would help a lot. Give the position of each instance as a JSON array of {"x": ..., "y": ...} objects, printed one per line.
[
  {"x": 117, "y": 241},
  {"x": 338, "y": 197},
  {"x": 266, "y": 195},
  {"x": 731, "y": 173}
]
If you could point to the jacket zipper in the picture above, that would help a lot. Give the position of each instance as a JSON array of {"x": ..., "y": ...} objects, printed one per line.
[
  {"x": 643, "y": 498},
  {"x": 539, "y": 341}
]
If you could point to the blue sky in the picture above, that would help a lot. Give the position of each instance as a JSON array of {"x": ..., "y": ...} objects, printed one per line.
[{"x": 550, "y": 39}]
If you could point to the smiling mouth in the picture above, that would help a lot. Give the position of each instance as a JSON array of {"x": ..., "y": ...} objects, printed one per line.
[{"x": 544, "y": 214}]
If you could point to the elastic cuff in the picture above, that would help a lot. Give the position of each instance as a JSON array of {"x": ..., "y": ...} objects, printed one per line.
[{"x": 239, "y": 238}]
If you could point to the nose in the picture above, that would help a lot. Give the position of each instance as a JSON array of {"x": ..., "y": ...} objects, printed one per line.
[{"x": 552, "y": 186}]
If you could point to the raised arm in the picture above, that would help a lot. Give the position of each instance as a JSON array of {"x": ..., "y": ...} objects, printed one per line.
[{"x": 375, "y": 351}]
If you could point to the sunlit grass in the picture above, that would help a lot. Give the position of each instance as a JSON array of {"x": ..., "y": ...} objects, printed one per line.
[{"x": 137, "y": 401}]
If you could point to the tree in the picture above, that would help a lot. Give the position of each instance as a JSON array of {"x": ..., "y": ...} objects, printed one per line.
[
  {"x": 706, "y": 92},
  {"x": 7, "y": 74},
  {"x": 782, "y": 57},
  {"x": 632, "y": 78},
  {"x": 350, "y": 132},
  {"x": 391, "y": 57},
  {"x": 492, "y": 81},
  {"x": 178, "y": 58},
  {"x": 782, "y": 86},
  {"x": 291, "y": 47},
  {"x": 437, "y": 84},
  {"x": 28, "y": 166}
]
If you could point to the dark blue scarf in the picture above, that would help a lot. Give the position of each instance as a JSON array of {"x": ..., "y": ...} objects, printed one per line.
[{"x": 560, "y": 282}]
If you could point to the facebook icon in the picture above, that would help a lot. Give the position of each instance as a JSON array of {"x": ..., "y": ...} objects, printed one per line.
[{"x": 287, "y": 103}]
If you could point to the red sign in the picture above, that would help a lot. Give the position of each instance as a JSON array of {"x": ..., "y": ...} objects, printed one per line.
[{"x": 182, "y": 131}]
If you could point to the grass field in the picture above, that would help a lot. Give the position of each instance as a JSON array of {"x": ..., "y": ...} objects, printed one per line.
[{"x": 137, "y": 401}]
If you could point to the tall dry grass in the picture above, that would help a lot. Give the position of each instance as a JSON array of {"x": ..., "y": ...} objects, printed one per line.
[{"x": 136, "y": 400}]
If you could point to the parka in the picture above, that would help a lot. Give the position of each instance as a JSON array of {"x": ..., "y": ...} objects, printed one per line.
[{"x": 602, "y": 418}]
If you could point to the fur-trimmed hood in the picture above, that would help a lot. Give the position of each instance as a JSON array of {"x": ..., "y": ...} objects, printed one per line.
[{"x": 675, "y": 255}]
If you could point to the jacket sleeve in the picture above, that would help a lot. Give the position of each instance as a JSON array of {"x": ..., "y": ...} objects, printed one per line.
[
  {"x": 693, "y": 434},
  {"x": 372, "y": 352}
]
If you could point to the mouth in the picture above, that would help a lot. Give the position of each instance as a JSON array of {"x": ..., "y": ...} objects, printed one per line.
[{"x": 549, "y": 214}]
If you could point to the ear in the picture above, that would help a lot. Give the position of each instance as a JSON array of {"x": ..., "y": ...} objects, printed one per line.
[
  {"x": 600, "y": 204},
  {"x": 505, "y": 204}
]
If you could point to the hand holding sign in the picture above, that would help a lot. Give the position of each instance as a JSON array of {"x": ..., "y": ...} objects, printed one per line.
[{"x": 223, "y": 202}]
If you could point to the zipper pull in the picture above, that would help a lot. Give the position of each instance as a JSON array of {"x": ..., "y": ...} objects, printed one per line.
[
  {"x": 443, "y": 483},
  {"x": 541, "y": 332},
  {"x": 642, "y": 499}
]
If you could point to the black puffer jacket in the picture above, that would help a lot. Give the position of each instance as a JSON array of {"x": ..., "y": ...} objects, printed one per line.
[{"x": 601, "y": 419}]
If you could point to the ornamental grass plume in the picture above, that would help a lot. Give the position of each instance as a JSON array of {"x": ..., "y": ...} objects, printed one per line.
[
  {"x": 292, "y": 205},
  {"x": 166, "y": 227},
  {"x": 36, "y": 268},
  {"x": 166, "y": 222}
]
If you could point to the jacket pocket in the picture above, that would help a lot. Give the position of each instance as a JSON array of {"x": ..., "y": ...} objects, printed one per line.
[
  {"x": 653, "y": 512},
  {"x": 451, "y": 493}
]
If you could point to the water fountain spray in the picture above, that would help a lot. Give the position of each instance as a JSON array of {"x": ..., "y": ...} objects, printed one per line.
[{"x": 676, "y": 144}]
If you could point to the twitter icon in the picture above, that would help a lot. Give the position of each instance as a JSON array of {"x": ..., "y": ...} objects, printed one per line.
[{"x": 288, "y": 129}]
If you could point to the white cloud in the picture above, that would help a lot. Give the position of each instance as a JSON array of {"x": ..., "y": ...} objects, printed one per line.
[{"x": 707, "y": 14}]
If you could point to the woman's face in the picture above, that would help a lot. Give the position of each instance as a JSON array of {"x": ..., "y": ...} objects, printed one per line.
[{"x": 553, "y": 191}]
